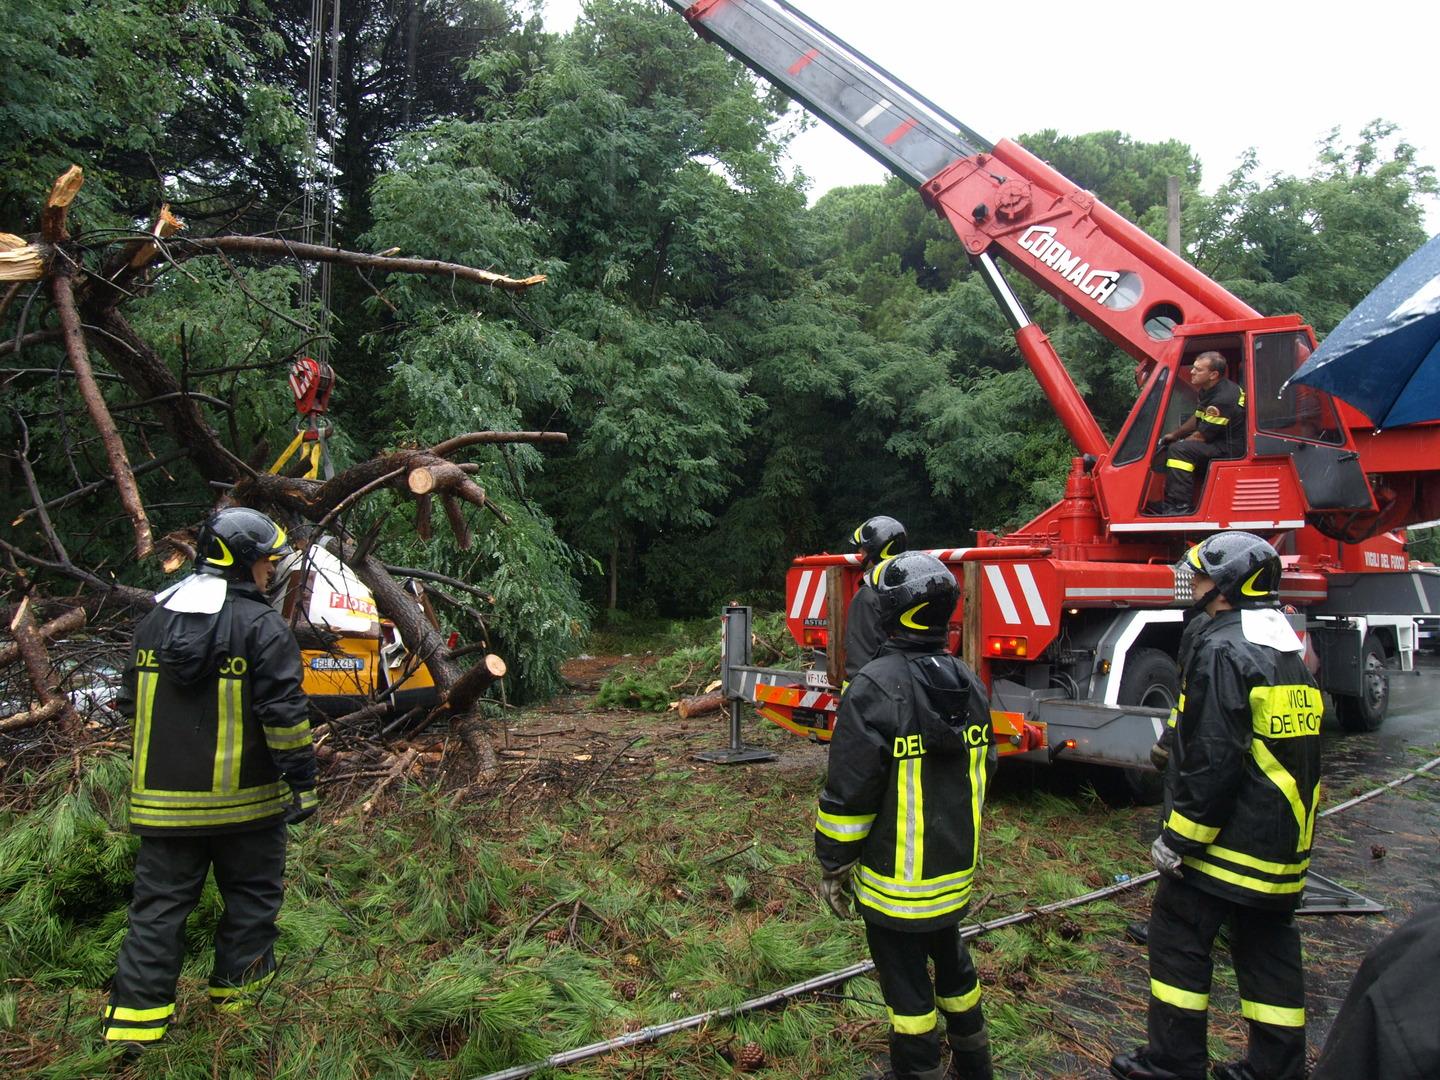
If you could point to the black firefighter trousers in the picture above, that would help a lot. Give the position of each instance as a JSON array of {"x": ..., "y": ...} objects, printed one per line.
[
  {"x": 1265, "y": 947},
  {"x": 169, "y": 876},
  {"x": 913, "y": 1002},
  {"x": 1185, "y": 463}
]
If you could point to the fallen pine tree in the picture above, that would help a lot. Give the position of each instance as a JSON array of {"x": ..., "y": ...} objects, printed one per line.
[{"x": 73, "y": 291}]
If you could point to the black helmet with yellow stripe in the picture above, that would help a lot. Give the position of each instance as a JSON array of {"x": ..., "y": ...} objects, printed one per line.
[
  {"x": 917, "y": 595},
  {"x": 878, "y": 539},
  {"x": 1244, "y": 569},
  {"x": 235, "y": 539}
]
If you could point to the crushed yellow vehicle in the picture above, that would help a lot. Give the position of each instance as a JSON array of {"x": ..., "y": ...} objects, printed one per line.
[{"x": 351, "y": 655}]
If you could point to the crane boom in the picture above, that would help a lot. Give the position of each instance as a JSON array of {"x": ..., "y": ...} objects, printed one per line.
[{"x": 905, "y": 132}]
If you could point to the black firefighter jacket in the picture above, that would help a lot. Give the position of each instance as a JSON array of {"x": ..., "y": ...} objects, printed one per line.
[
  {"x": 221, "y": 731},
  {"x": 1220, "y": 418},
  {"x": 910, "y": 760},
  {"x": 1386, "y": 1025},
  {"x": 864, "y": 637},
  {"x": 1244, "y": 775}
]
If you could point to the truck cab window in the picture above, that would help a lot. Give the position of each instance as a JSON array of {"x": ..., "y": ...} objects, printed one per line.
[
  {"x": 1140, "y": 439},
  {"x": 1296, "y": 412}
]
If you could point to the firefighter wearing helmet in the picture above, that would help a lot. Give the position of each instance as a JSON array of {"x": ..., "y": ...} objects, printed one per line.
[
  {"x": 1242, "y": 787},
  {"x": 223, "y": 760},
  {"x": 877, "y": 541},
  {"x": 898, "y": 828}
]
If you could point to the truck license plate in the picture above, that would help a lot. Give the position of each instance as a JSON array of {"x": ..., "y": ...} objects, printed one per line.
[{"x": 819, "y": 679}]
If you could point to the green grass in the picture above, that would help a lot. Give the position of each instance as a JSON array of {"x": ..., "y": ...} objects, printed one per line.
[{"x": 438, "y": 939}]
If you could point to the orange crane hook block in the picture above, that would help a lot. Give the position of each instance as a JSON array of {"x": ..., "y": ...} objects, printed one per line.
[{"x": 311, "y": 381}]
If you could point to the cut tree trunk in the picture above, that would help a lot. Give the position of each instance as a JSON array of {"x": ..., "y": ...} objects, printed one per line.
[
  {"x": 701, "y": 703},
  {"x": 99, "y": 412},
  {"x": 31, "y": 647},
  {"x": 468, "y": 688}
]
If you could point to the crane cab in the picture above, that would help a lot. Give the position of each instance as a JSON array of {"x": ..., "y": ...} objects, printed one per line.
[{"x": 1297, "y": 458}]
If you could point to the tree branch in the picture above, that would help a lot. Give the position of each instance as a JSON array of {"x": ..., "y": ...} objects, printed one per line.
[
  {"x": 99, "y": 414},
  {"x": 282, "y": 249}
]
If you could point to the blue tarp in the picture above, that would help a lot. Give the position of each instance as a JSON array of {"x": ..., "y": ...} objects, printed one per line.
[{"x": 1384, "y": 357}]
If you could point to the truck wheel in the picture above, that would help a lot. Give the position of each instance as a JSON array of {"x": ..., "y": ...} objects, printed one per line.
[
  {"x": 1367, "y": 711},
  {"x": 1152, "y": 679}
]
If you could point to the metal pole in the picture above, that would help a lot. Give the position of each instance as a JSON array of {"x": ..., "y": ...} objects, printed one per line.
[
  {"x": 735, "y": 652},
  {"x": 1172, "y": 215}
]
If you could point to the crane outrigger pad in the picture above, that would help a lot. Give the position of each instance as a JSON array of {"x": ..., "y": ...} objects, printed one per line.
[{"x": 1324, "y": 896}]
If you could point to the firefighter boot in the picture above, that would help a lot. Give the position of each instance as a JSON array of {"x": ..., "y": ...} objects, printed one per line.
[
  {"x": 970, "y": 1057},
  {"x": 936, "y": 1073},
  {"x": 1235, "y": 1070},
  {"x": 1136, "y": 1065}
]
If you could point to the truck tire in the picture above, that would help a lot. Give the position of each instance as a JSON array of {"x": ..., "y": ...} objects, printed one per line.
[
  {"x": 1151, "y": 678},
  {"x": 1367, "y": 711}
]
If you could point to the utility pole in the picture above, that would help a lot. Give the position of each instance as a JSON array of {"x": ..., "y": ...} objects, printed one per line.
[{"x": 1172, "y": 208}]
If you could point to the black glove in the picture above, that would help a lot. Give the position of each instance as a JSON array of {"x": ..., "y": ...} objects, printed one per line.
[
  {"x": 836, "y": 888},
  {"x": 303, "y": 803}
]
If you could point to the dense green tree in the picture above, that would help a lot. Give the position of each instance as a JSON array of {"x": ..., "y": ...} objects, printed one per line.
[
  {"x": 1315, "y": 245},
  {"x": 129, "y": 91},
  {"x": 742, "y": 378}
]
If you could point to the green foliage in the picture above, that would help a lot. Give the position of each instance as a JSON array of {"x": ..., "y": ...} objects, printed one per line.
[
  {"x": 1316, "y": 244},
  {"x": 104, "y": 85},
  {"x": 64, "y": 866},
  {"x": 685, "y": 669},
  {"x": 456, "y": 940}
]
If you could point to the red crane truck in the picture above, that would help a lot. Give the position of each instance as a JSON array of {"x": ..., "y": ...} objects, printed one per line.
[{"x": 1074, "y": 619}]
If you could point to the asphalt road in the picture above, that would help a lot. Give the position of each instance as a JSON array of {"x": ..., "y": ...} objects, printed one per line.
[{"x": 1413, "y": 721}]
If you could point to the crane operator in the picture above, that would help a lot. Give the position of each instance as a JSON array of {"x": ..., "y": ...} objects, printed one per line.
[{"x": 1216, "y": 430}]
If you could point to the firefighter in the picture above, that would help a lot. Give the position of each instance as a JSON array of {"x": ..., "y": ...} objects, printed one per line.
[
  {"x": 1386, "y": 1024},
  {"x": 898, "y": 828},
  {"x": 223, "y": 760},
  {"x": 1243, "y": 783},
  {"x": 878, "y": 540},
  {"x": 1216, "y": 430}
]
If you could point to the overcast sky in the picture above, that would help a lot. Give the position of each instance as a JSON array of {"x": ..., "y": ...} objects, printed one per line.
[{"x": 1222, "y": 75}]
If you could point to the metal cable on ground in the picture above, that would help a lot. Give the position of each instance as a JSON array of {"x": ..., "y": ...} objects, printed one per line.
[{"x": 821, "y": 982}]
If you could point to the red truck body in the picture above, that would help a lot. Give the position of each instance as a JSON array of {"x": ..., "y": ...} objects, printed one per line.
[{"x": 1073, "y": 618}]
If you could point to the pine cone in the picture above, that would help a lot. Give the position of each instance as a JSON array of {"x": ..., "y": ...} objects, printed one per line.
[
  {"x": 1070, "y": 930},
  {"x": 630, "y": 960},
  {"x": 1018, "y": 982},
  {"x": 629, "y": 990},
  {"x": 750, "y": 1058},
  {"x": 555, "y": 936},
  {"x": 775, "y": 907}
]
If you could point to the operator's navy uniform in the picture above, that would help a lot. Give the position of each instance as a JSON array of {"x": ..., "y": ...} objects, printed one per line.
[
  {"x": 909, "y": 764},
  {"x": 1243, "y": 785},
  {"x": 1220, "y": 423},
  {"x": 222, "y": 752}
]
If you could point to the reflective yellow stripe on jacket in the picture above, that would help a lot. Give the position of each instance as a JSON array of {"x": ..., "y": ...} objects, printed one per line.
[
  {"x": 1277, "y": 714},
  {"x": 288, "y": 738},
  {"x": 227, "y": 735},
  {"x": 844, "y": 827},
  {"x": 908, "y": 894}
]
